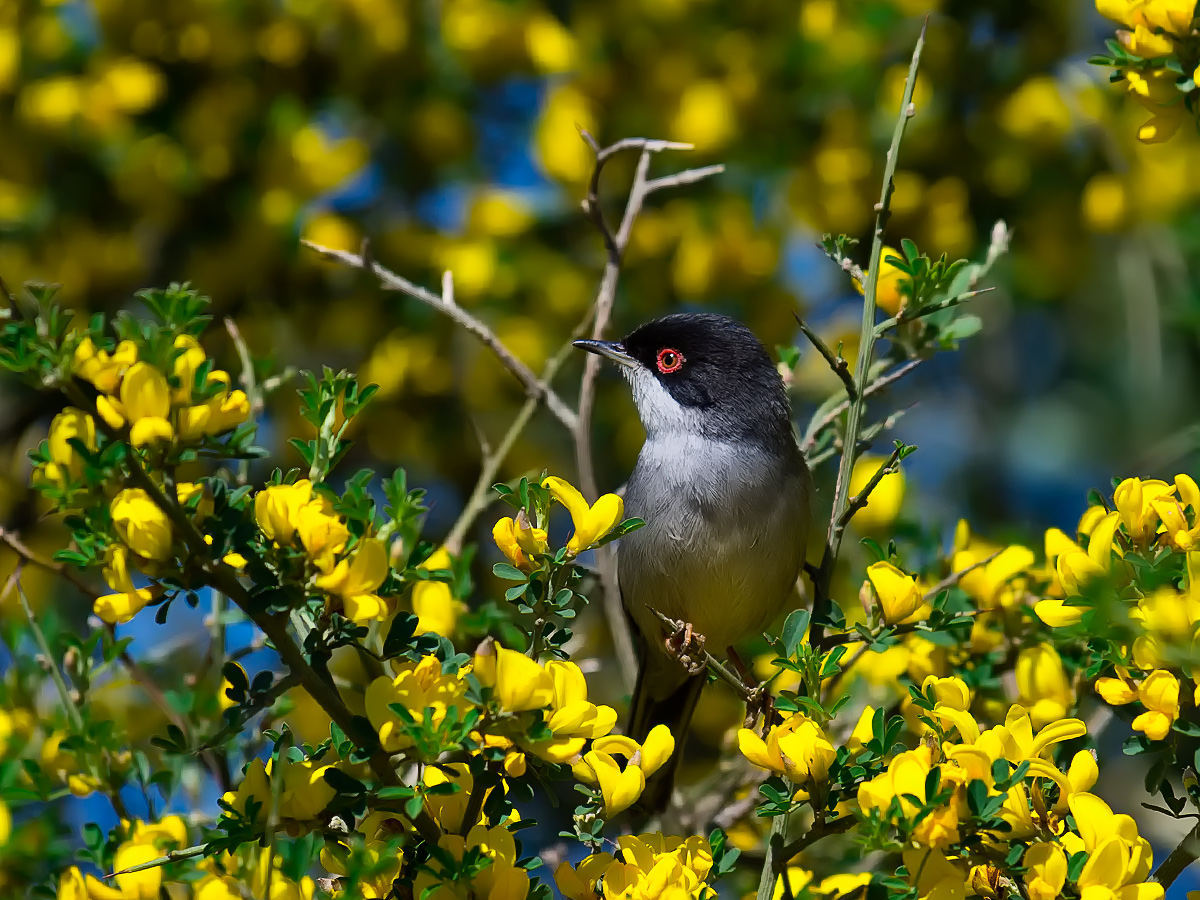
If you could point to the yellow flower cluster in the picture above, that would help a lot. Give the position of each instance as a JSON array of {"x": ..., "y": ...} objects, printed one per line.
[
  {"x": 146, "y": 841},
  {"x": 525, "y": 693},
  {"x": 378, "y": 829},
  {"x": 296, "y": 515},
  {"x": 502, "y": 879},
  {"x": 1035, "y": 808},
  {"x": 303, "y": 793},
  {"x": 523, "y": 544},
  {"x": 647, "y": 867},
  {"x": 1153, "y": 30},
  {"x": 229, "y": 877},
  {"x": 136, "y": 393},
  {"x": 147, "y": 541},
  {"x": 797, "y": 749}
]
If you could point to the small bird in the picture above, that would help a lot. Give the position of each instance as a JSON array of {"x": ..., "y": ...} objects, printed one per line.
[{"x": 725, "y": 494}]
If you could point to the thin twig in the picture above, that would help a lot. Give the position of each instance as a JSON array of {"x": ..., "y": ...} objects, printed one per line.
[
  {"x": 56, "y": 676},
  {"x": 949, "y": 581},
  {"x": 718, "y": 668},
  {"x": 614, "y": 244},
  {"x": 481, "y": 494},
  {"x": 840, "y": 825},
  {"x": 859, "y": 500},
  {"x": 169, "y": 857},
  {"x": 817, "y": 426},
  {"x": 839, "y": 365},
  {"x": 13, "y": 540},
  {"x": 776, "y": 859},
  {"x": 390, "y": 281}
]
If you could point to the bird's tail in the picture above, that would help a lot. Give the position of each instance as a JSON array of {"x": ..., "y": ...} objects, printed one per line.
[{"x": 674, "y": 710}]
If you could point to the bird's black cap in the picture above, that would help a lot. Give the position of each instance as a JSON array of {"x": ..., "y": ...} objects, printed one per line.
[{"x": 714, "y": 365}]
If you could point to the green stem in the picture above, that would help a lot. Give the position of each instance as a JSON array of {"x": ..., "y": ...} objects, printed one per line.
[
  {"x": 776, "y": 858},
  {"x": 56, "y": 676}
]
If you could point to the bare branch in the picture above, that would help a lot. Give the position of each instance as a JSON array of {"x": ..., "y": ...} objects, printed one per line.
[
  {"x": 840, "y": 367},
  {"x": 817, "y": 426},
  {"x": 390, "y": 281},
  {"x": 1186, "y": 853}
]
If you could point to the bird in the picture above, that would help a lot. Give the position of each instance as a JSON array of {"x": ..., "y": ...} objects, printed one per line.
[{"x": 726, "y": 496}]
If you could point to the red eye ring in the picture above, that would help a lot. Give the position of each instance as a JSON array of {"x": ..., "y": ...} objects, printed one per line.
[{"x": 669, "y": 360}]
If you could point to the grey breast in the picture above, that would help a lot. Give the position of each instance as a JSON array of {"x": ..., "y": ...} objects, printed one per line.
[{"x": 724, "y": 539}]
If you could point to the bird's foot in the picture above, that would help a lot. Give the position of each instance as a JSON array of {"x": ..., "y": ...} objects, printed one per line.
[
  {"x": 687, "y": 645},
  {"x": 760, "y": 703}
]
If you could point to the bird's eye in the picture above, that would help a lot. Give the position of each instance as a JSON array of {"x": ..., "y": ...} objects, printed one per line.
[{"x": 669, "y": 360}]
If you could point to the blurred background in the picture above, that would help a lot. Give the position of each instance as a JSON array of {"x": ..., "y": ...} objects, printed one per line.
[{"x": 150, "y": 141}]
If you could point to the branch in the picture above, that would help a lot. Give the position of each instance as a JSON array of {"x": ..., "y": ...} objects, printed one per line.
[
  {"x": 614, "y": 244},
  {"x": 776, "y": 859},
  {"x": 840, "y": 825},
  {"x": 1186, "y": 853},
  {"x": 859, "y": 500},
  {"x": 220, "y": 576},
  {"x": 819, "y": 425},
  {"x": 13, "y": 540},
  {"x": 481, "y": 494},
  {"x": 718, "y": 668},
  {"x": 840, "y": 367},
  {"x": 390, "y": 281}
]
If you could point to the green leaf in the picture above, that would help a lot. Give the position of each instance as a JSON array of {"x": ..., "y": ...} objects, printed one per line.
[
  {"x": 508, "y": 573},
  {"x": 794, "y": 628}
]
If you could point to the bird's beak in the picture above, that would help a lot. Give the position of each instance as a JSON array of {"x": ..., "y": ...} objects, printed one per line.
[{"x": 614, "y": 350}]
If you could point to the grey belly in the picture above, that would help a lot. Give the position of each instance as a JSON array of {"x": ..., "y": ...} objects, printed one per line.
[{"x": 721, "y": 550}]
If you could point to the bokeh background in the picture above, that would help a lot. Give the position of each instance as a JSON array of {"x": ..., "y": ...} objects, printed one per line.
[{"x": 149, "y": 141}]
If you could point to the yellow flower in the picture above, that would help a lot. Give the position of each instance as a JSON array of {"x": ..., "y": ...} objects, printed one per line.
[
  {"x": 1042, "y": 684},
  {"x": 591, "y": 522},
  {"x": 581, "y": 882},
  {"x": 884, "y": 503},
  {"x": 888, "y": 296},
  {"x": 521, "y": 684},
  {"x": 1047, "y": 870},
  {"x": 70, "y": 424},
  {"x": 1159, "y": 693},
  {"x": 619, "y": 785},
  {"x": 1134, "y": 500},
  {"x": 256, "y": 786},
  {"x": 1146, "y": 43},
  {"x": 378, "y": 829},
  {"x": 520, "y": 541},
  {"x": 1116, "y": 691},
  {"x": 1173, "y": 514},
  {"x": 305, "y": 791},
  {"x": 101, "y": 369},
  {"x": 1075, "y": 568},
  {"x": 276, "y": 509},
  {"x": 433, "y": 603},
  {"x": 797, "y": 749},
  {"x": 996, "y": 584},
  {"x": 423, "y": 689},
  {"x": 356, "y": 579},
  {"x": 145, "y": 403},
  {"x": 140, "y": 523},
  {"x": 906, "y": 778},
  {"x": 127, "y": 600},
  {"x": 899, "y": 595},
  {"x": 222, "y": 412},
  {"x": 321, "y": 531},
  {"x": 147, "y": 841},
  {"x": 503, "y": 879},
  {"x": 1117, "y": 856},
  {"x": 1173, "y": 16},
  {"x": 935, "y": 876}
]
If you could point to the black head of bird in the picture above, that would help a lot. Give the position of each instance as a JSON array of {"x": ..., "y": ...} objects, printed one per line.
[{"x": 725, "y": 493}]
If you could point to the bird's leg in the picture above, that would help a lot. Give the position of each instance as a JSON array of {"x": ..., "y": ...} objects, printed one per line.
[
  {"x": 685, "y": 644},
  {"x": 760, "y": 701}
]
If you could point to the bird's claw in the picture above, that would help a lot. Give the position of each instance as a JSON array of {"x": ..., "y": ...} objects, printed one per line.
[
  {"x": 686, "y": 645},
  {"x": 760, "y": 703}
]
